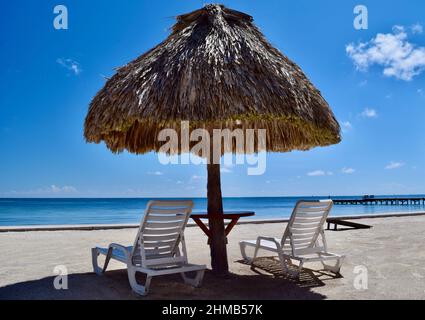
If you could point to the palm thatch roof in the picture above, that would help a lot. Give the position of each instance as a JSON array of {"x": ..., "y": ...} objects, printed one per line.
[{"x": 217, "y": 70}]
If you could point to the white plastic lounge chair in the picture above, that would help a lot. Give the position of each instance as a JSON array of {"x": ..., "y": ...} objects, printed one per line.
[
  {"x": 159, "y": 248},
  {"x": 300, "y": 241}
]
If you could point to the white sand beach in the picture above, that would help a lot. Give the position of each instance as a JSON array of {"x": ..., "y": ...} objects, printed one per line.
[{"x": 392, "y": 251}]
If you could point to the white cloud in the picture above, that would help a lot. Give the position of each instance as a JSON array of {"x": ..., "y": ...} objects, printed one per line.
[
  {"x": 70, "y": 65},
  {"x": 417, "y": 28},
  {"x": 346, "y": 126},
  {"x": 348, "y": 170},
  {"x": 392, "y": 51},
  {"x": 227, "y": 168},
  {"x": 52, "y": 190},
  {"x": 156, "y": 173},
  {"x": 394, "y": 165},
  {"x": 65, "y": 189},
  {"x": 398, "y": 29},
  {"x": 369, "y": 113},
  {"x": 198, "y": 178},
  {"x": 317, "y": 173}
]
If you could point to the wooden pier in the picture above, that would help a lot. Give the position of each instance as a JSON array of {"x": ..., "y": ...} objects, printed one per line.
[{"x": 382, "y": 201}]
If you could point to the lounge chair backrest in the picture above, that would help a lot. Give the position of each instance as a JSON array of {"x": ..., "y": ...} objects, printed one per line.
[
  {"x": 305, "y": 226},
  {"x": 162, "y": 232}
]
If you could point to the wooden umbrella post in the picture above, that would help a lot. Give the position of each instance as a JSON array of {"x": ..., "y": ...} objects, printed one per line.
[{"x": 218, "y": 242}]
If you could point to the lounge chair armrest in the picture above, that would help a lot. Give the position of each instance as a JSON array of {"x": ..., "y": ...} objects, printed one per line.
[
  {"x": 259, "y": 239},
  {"x": 114, "y": 246}
]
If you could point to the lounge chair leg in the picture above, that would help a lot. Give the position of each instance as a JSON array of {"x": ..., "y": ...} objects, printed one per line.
[
  {"x": 243, "y": 253},
  {"x": 284, "y": 263},
  {"x": 255, "y": 254},
  {"x": 94, "y": 256},
  {"x": 107, "y": 259},
  {"x": 335, "y": 268},
  {"x": 196, "y": 281},
  {"x": 137, "y": 288},
  {"x": 300, "y": 269}
]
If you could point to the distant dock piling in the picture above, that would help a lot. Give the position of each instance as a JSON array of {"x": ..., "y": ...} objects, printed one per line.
[{"x": 381, "y": 201}]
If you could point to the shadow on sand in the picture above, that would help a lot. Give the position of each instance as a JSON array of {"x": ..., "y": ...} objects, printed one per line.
[{"x": 272, "y": 284}]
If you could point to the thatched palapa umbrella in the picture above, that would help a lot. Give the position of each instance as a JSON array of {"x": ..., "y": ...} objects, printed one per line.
[{"x": 216, "y": 70}]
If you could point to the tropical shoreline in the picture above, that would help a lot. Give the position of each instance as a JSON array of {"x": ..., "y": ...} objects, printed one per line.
[
  {"x": 391, "y": 252},
  {"x": 97, "y": 227},
  {"x": 111, "y": 211}
]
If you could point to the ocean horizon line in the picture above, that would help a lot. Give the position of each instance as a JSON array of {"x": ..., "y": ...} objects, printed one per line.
[{"x": 226, "y": 197}]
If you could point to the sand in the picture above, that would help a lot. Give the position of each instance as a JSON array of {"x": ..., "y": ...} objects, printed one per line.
[{"x": 392, "y": 252}]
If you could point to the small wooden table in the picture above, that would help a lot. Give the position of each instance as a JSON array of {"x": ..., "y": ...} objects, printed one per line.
[{"x": 232, "y": 216}]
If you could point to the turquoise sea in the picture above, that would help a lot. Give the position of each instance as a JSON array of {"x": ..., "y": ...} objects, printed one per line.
[{"x": 19, "y": 212}]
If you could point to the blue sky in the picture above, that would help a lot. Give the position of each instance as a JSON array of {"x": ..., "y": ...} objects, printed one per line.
[{"x": 373, "y": 79}]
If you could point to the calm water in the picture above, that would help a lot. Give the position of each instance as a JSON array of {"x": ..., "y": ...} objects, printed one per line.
[{"x": 18, "y": 212}]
